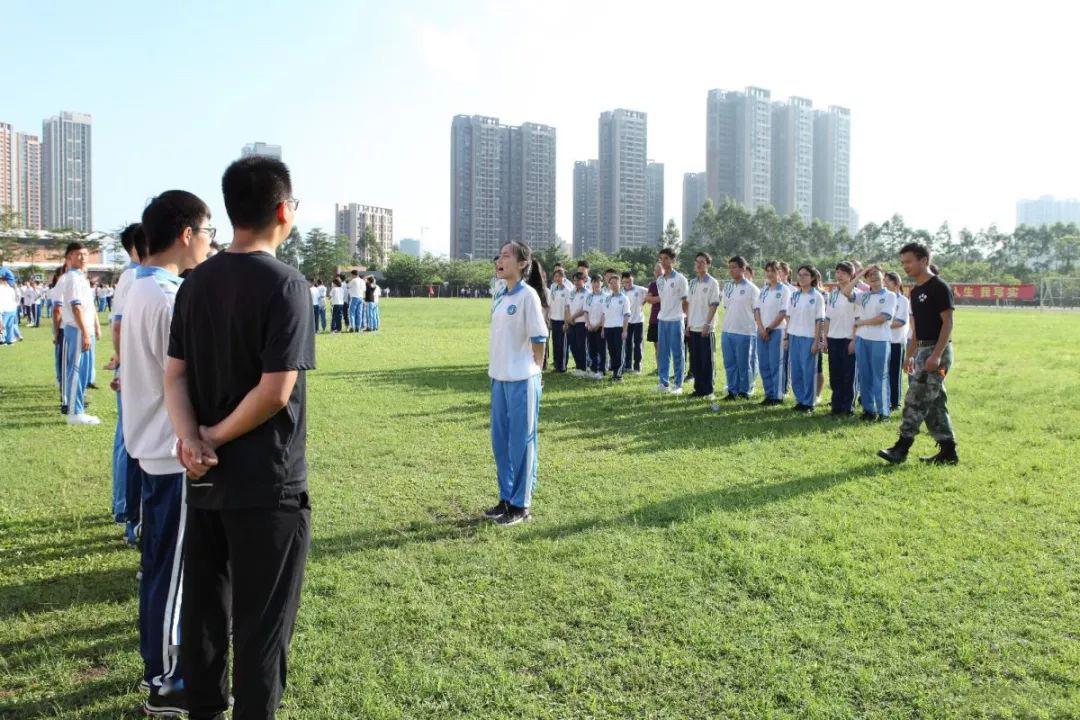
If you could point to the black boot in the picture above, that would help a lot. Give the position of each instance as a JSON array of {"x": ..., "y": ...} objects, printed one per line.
[
  {"x": 946, "y": 454},
  {"x": 898, "y": 452}
]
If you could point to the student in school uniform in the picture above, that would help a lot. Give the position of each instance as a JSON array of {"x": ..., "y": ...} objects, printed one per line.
[
  {"x": 178, "y": 236},
  {"x": 636, "y": 295},
  {"x": 518, "y": 339},
  {"x": 739, "y": 330},
  {"x": 652, "y": 296},
  {"x": 557, "y": 308},
  {"x": 337, "y": 305},
  {"x": 616, "y": 318},
  {"x": 898, "y": 338},
  {"x": 344, "y": 280},
  {"x": 594, "y": 313},
  {"x": 702, "y": 301},
  {"x": 81, "y": 329},
  {"x": 839, "y": 329},
  {"x": 673, "y": 291},
  {"x": 770, "y": 315},
  {"x": 372, "y": 292},
  {"x": 9, "y": 310},
  {"x": 56, "y": 321},
  {"x": 357, "y": 288},
  {"x": 577, "y": 320},
  {"x": 805, "y": 331},
  {"x": 567, "y": 283},
  {"x": 28, "y": 296},
  {"x": 240, "y": 344},
  {"x": 874, "y": 311},
  {"x": 319, "y": 309}
]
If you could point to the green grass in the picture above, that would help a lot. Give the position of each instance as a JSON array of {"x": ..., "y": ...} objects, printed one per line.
[{"x": 680, "y": 565}]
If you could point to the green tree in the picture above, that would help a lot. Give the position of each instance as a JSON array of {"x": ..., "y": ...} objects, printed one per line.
[
  {"x": 369, "y": 251},
  {"x": 552, "y": 254},
  {"x": 322, "y": 254},
  {"x": 291, "y": 251},
  {"x": 670, "y": 238}
]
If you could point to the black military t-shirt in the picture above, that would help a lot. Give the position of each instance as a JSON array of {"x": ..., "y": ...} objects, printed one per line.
[
  {"x": 928, "y": 301},
  {"x": 237, "y": 316}
]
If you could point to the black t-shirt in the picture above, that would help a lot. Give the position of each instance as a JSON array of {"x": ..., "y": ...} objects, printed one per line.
[
  {"x": 369, "y": 293},
  {"x": 237, "y": 316},
  {"x": 928, "y": 301}
]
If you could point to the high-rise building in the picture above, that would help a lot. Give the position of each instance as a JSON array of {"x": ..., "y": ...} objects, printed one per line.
[
  {"x": 694, "y": 194},
  {"x": 853, "y": 222},
  {"x": 1047, "y": 210},
  {"x": 353, "y": 221},
  {"x": 793, "y": 157},
  {"x": 832, "y": 166},
  {"x": 738, "y": 146},
  {"x": 623, "y": 136},
  {"x": 502, "y": 181},
  {"x": 654, "y": 201},
  {"x": 586, "y": 207},
  {"x": 66, "y": 185},
  {"x": 20, "y": 176},
  {"x": 7, "y": 168},
  {"x": 261, "y": 149},
  {"x": 410, "y": 246}
]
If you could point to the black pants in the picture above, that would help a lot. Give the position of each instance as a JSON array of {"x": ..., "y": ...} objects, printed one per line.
[
  {"x": 335, "y": 318},
  {"x": 632, "y": 351},
  {"x": 577, "y": 345},
  {"x": 702, "y": 352},
  {"x": 558, "y": 342},
  {"x": 841, "y": 375},
  {"x": 896, "y": 362},
  {"x": 595, "y": 341},
  {"x": 247, "y": 564},
  {"x": 614, "y": 340}
]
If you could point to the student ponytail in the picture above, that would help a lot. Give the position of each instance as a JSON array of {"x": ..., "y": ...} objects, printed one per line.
[{"x": 535, "y": 280}]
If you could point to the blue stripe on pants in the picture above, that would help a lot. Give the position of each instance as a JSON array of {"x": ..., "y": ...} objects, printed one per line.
[
  {"x": 872, "y": 361},
  {"x": 356, "y": 305},
  {"x": 515, "y": 416},
  {"x": 371, "y": 315},
  {"x": 632, "y": 351},
  {"x": 669, "y": 335},
  {"x": 558, "y": 342},
  {"x": 769, "y": 355},
  {"x": 615, "y": 346},
  {"x": 736, "y": 351},
  {"x": 119, "y": 468},
  {"x": 76, "y": 370},
  {"x": 803, "y": 369},
  {"x": 164, "y": 510}
]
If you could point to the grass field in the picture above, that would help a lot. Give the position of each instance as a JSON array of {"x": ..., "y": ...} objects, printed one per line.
[{"x": 681, "y": 564}]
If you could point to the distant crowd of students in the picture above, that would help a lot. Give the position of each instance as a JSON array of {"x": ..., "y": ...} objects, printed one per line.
[{"x": 354, "y": 303}]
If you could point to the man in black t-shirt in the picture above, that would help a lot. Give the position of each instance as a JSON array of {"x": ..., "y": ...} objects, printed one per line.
[
  {"x": 929, "y": 357},
  {"x": 240, "y": 343}
]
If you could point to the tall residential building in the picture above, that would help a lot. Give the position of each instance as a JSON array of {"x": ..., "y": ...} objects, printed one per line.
[
  {"x": 853, "y": 222},
  {"x": 502, "y": 181},
  {"x": 832, "y": 166},
  {"x": 353, "y": 221},
  {"x": 410, "y": 246},
  {"x": 793, "y": 157},
  {"x": 694, "y": 195},
  {"x": 586, "y": 207},
  {"x": 261, "y": 149},
  {"x": 7, "y": 168},
  {"x": 66, "y": 185},
  {"x": 654, "y": 201},
  {"x": 623, "y": 136},
  {"x": 738, "y": 146},
  {"x": 20, "y": 176},
  {"x": 1047, "y": 210}
]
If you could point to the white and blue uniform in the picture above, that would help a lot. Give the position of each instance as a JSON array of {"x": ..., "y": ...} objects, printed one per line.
[
  {"x": 371, "y": 307},
  {"x": 517, "y": 322},
  {"x": 356, "y": 304},
  {"x": 772, "y": 302},
  {"x": 704, "y": 298},
  {"x": 737, "y": 336},
  {"x": 672, "y": 289},
  {"x": 578, "y": 332},
  {"x": 898, "y": 346},
  {"x": 840, "y": 312},
  {"x": 9, "y": 311},
  {"x": 616, "y": 312},
  {"x": 594, "y": 339},
  {"x": 558, "y": 300},
  {"x": 151, "y": 442},
  {"x": 635, "y": 328},
  {"x": 805, "y": 314},
  {"x": 122, "y": 472},
  {"x": 872, "y": 349},
  {"x": 76, "y": 365}
]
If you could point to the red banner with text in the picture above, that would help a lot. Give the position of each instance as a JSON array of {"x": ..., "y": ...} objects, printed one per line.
[{"x": 988, "y": 291}]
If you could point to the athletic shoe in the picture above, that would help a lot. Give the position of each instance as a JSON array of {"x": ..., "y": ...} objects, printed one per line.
[
  {"x": 615, "y": 378},
  {"x": 171, "y": 705},
  {"x": 513, "y": 516},
  {"x": 715, "y": 407},
  {"x": 91, "y": 386},
  {"x": 144, "y": 686},
  {"x": 497, "y": 511},
  {"x": 869, "y": 417},
  {"x": 83, "y": 419},
  {"x": 598, "y": 376},
  {"x": 730, "y": 397},
  {"x": 676, "y": 390},
  {"x": 660, "y": 388},
  {"x": 743, "y": 396},
  {"x": 63, "y": 409}
]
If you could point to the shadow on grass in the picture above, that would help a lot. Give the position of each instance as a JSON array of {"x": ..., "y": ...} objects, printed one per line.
[
  {"x": 61, "y": 592},
  {"x": 92, "y": 644},
  {"x": 395, "y": 537},
  {"x": 67, "y": 704}
]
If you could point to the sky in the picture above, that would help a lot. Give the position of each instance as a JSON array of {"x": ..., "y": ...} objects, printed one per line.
[{"x": 959, "y": 109}]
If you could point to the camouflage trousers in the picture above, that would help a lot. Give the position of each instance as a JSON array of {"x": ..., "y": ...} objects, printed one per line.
[{"x": 926, "y": 398}]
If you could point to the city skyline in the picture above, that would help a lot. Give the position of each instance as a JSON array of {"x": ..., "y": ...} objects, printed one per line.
[{"x": 918, "y": 150}]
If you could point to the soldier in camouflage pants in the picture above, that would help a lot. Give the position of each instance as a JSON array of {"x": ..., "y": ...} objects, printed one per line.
[{"x": 926, "y": 397}]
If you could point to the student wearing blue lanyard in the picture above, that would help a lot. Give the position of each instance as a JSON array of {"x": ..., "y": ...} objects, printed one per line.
[
  {"x": 738, "y": 330},
  {"x": 874, "y": 310},
  {"x": 806, "y": 320},
  {"x": 518, "y": 339},
  {"x": 770, "y": 314},
  {"x": 704, "y": 299},
  {"x": 594, "y": 323}
]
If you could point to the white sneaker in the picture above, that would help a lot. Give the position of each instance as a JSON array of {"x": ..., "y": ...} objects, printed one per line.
[
  {"x": 660, "y": 388},
  {"x": 83, "y": 419},
  {"x": 676, "y": 391},
  {"x": 598, "y": 376}
]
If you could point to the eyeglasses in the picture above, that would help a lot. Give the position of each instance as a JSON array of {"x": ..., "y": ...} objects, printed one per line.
[
  {"x": 211, "y": 232},
  {"x": 293, "y": 204}
]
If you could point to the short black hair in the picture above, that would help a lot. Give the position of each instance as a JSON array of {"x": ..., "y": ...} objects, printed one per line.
[
  {"x": 628, "y": 274},
  {"x": 583, "y": 263},
  {"x": 917, "y": 249},
  {"x": 72, "y": 247},
  {"x": 253, "y": 188},
  {"x": 846, "y": 267},
  {"x": 596, "y": 278},
  {"x": 669, "y": 252},
  {"x": 133, "y": 238},
  {"x": 707, "y": 256},
  {"x": 611, "y": 271},
  {"x": 579, "y": 275},
  {"x": 356, "y": 273},
  {"x": 738, "y": 260},
  {"x": 168, "y": 215}
]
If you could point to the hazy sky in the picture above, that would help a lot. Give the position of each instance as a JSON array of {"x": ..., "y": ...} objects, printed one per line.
[{"x": 958, "y": 109}]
